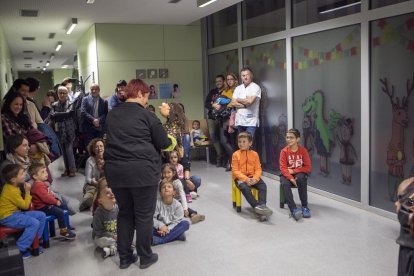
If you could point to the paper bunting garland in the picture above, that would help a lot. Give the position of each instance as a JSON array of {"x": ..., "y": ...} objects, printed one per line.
[{"x": 389, "y": 34}]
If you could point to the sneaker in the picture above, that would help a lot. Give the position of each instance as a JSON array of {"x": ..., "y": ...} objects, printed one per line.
[
  {"x": 108, "y": 251},
  {"x": 263, "y": 210},
  {"x": 188, "y": 197},
  {"x": 26, "y": 254},
  {"x": 306, "y": 212},
  {"x": 197, "y": 218},
  {"x": 68, "y": 235},
  {"x": 40, "y": 250},
  {"x": 194, "y": 195},
  {"x": 296, "y": 213},
  {"x": 152, "y": 260}
]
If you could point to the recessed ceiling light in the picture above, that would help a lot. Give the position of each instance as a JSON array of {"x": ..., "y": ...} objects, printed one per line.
[
  {"x": 58, "y": 46},
  {"x": 71, "y": 26},
  {"x": 47, "y": 63},
  {"x": 203, "y": 3}
]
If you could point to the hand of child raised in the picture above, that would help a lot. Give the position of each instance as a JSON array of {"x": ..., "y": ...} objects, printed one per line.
[{"x": 27, "y": 187}]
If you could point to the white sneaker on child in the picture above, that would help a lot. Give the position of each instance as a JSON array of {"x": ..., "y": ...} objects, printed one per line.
[
  {"x": 194, "y": 195},
  {"x": 108, "y": 251}
]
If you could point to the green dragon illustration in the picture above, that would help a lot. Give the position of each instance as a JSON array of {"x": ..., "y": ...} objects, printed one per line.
[{"x": 324, "y": 129}]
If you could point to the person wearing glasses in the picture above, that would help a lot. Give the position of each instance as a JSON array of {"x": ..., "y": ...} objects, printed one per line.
[{"x": 295, "y": 165}]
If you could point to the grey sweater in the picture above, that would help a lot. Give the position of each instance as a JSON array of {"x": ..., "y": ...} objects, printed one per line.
[
  {"x": 169, "y": 215},
  {"x": 104, "y": 222}
]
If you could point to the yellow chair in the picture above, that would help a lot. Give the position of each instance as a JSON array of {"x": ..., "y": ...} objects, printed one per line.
[{"x": 236, "y": 195}]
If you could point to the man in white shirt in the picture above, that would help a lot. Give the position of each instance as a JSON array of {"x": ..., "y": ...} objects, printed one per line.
[{"x": 246, "y": 98}]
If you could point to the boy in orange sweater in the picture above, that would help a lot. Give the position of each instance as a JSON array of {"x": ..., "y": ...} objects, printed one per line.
[{"x": 247, "y": 170}]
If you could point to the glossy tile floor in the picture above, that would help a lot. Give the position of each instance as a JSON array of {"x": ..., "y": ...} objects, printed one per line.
[{"x": 337, "y": 240}]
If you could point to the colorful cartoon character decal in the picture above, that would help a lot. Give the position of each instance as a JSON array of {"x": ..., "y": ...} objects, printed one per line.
[
  {"x": 395, "y": 151},
  {"x": 324, "y": 128},
  {"x": 308, "y": 126},
  {"x": 348, "y": 154}
]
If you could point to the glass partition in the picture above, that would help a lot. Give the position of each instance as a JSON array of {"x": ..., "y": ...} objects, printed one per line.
[
  {"x": 392, "y": 107},
  {"x": 327, "y": 103}
]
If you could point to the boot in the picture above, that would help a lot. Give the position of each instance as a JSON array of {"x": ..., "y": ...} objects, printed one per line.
[{"x": 228, "y": 166}]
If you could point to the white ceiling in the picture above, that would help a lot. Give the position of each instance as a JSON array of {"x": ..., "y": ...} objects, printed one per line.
[{"x": 55, "y": 15}]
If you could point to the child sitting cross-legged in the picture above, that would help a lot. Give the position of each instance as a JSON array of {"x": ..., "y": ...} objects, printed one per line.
[
  {"x": 168, "y": 217},
  {"x": 44, "y": 199},
  {"x": 169, "y": 174},
  {"x": 247, "y": 172},
  {"x": 104, "y": 222},
  {"x": 13, "y": 206}
]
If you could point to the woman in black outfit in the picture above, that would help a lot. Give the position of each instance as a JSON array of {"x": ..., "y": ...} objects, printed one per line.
[{"x": 135, "y": 138}]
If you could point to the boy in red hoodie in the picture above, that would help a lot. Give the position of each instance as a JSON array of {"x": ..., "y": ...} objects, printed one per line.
[
  {"x": 247, "y": 171},
  {"x": 295, "y": 165},
  {"x": 43, "y": 199}
]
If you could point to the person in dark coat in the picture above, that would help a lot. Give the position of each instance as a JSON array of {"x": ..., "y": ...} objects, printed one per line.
[{"x": 135, "y": 138}]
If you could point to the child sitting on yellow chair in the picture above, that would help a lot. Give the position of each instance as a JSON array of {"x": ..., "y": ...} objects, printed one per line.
[{"x": 247, "y": 172}]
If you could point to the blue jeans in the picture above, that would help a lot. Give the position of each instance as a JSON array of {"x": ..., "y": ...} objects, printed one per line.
[
  {"x": 31, "y": 222},
  {"x": 196, "y": 181},
  {"x": 174, "y": 233},
  {"x": 249, "y": 129},
  {"x": 58, "y": 212},
  {"x": 186, "y": 145}
]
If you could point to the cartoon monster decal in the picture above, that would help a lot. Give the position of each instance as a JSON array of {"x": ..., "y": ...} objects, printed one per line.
[{"x": 348, "y": 154}]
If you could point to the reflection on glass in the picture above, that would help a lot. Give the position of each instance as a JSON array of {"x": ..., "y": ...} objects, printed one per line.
[
  {"x": 312, "y": 11},
  {"x": 268, "y": 63},
  {"x": 392, "y": 107},
  {"x": 222, "y": 27},
  {"x": 383, "y": 3},
  {"x": 221, "y": 64},
  {"x": 327, "y": 107},
  {"x": 261, "y": 17}
]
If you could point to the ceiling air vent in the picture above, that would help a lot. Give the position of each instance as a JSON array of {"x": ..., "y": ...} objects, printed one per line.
[
  {"x": 29, "y": 13},
  {"x": 174, "y": 1},
  {"x": 44, "y": 53},
  {"x": 28, "y": 38},
  {"x": 51, "y": 35},
  {"x": 28, "y": 58},
  {"x": 28, "y": 52}
]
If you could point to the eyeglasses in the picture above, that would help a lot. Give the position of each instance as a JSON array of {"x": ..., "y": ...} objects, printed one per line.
[{"x": 290, "y": 137}]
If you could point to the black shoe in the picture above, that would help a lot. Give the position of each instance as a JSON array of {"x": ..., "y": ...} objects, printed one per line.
[
  {"x": 123, "y": 264},
  {"x": 152, "y": 260},
  {"x": 218, "y": 164}
]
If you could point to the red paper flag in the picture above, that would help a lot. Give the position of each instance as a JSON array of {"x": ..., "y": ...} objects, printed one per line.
[
  {"x": 296, "y": 66},
  {"x": 381, "y": 24},
  {"x": 410, "y": 45},
  {"x": 353, "y": 51},
  {"x": 338, "y": 48},
  {"x": 328, "y": 56},
  {"x": 410, "y": 23},
  {"x": 306, "y": 52},
  {"x": 376, "y": 41}
]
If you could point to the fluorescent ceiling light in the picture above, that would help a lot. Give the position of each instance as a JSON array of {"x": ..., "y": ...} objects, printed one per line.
[
  {"x": 52, "y": 56},
  {"x": 58, "y": 46},
  {"x": 90, "y": 1},
  {"x": 47, "y": 63},
  {"x": 340, "y": 7},
  {"x": 64, "y": 66},
  {"x": 71, "y": 26},
  {"x": 203, "y": 3}
]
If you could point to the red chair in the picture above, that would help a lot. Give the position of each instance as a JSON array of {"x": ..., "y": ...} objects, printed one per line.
[{"x": 7, "y": 231}]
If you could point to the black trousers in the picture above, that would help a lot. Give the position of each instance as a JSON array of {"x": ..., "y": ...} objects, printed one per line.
[
  {"x": 406, "y": 261},
  {"x": 302, "y": 182},
  {"x": 136, "y": 211},
  {"x": 247, "y": 192}
]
